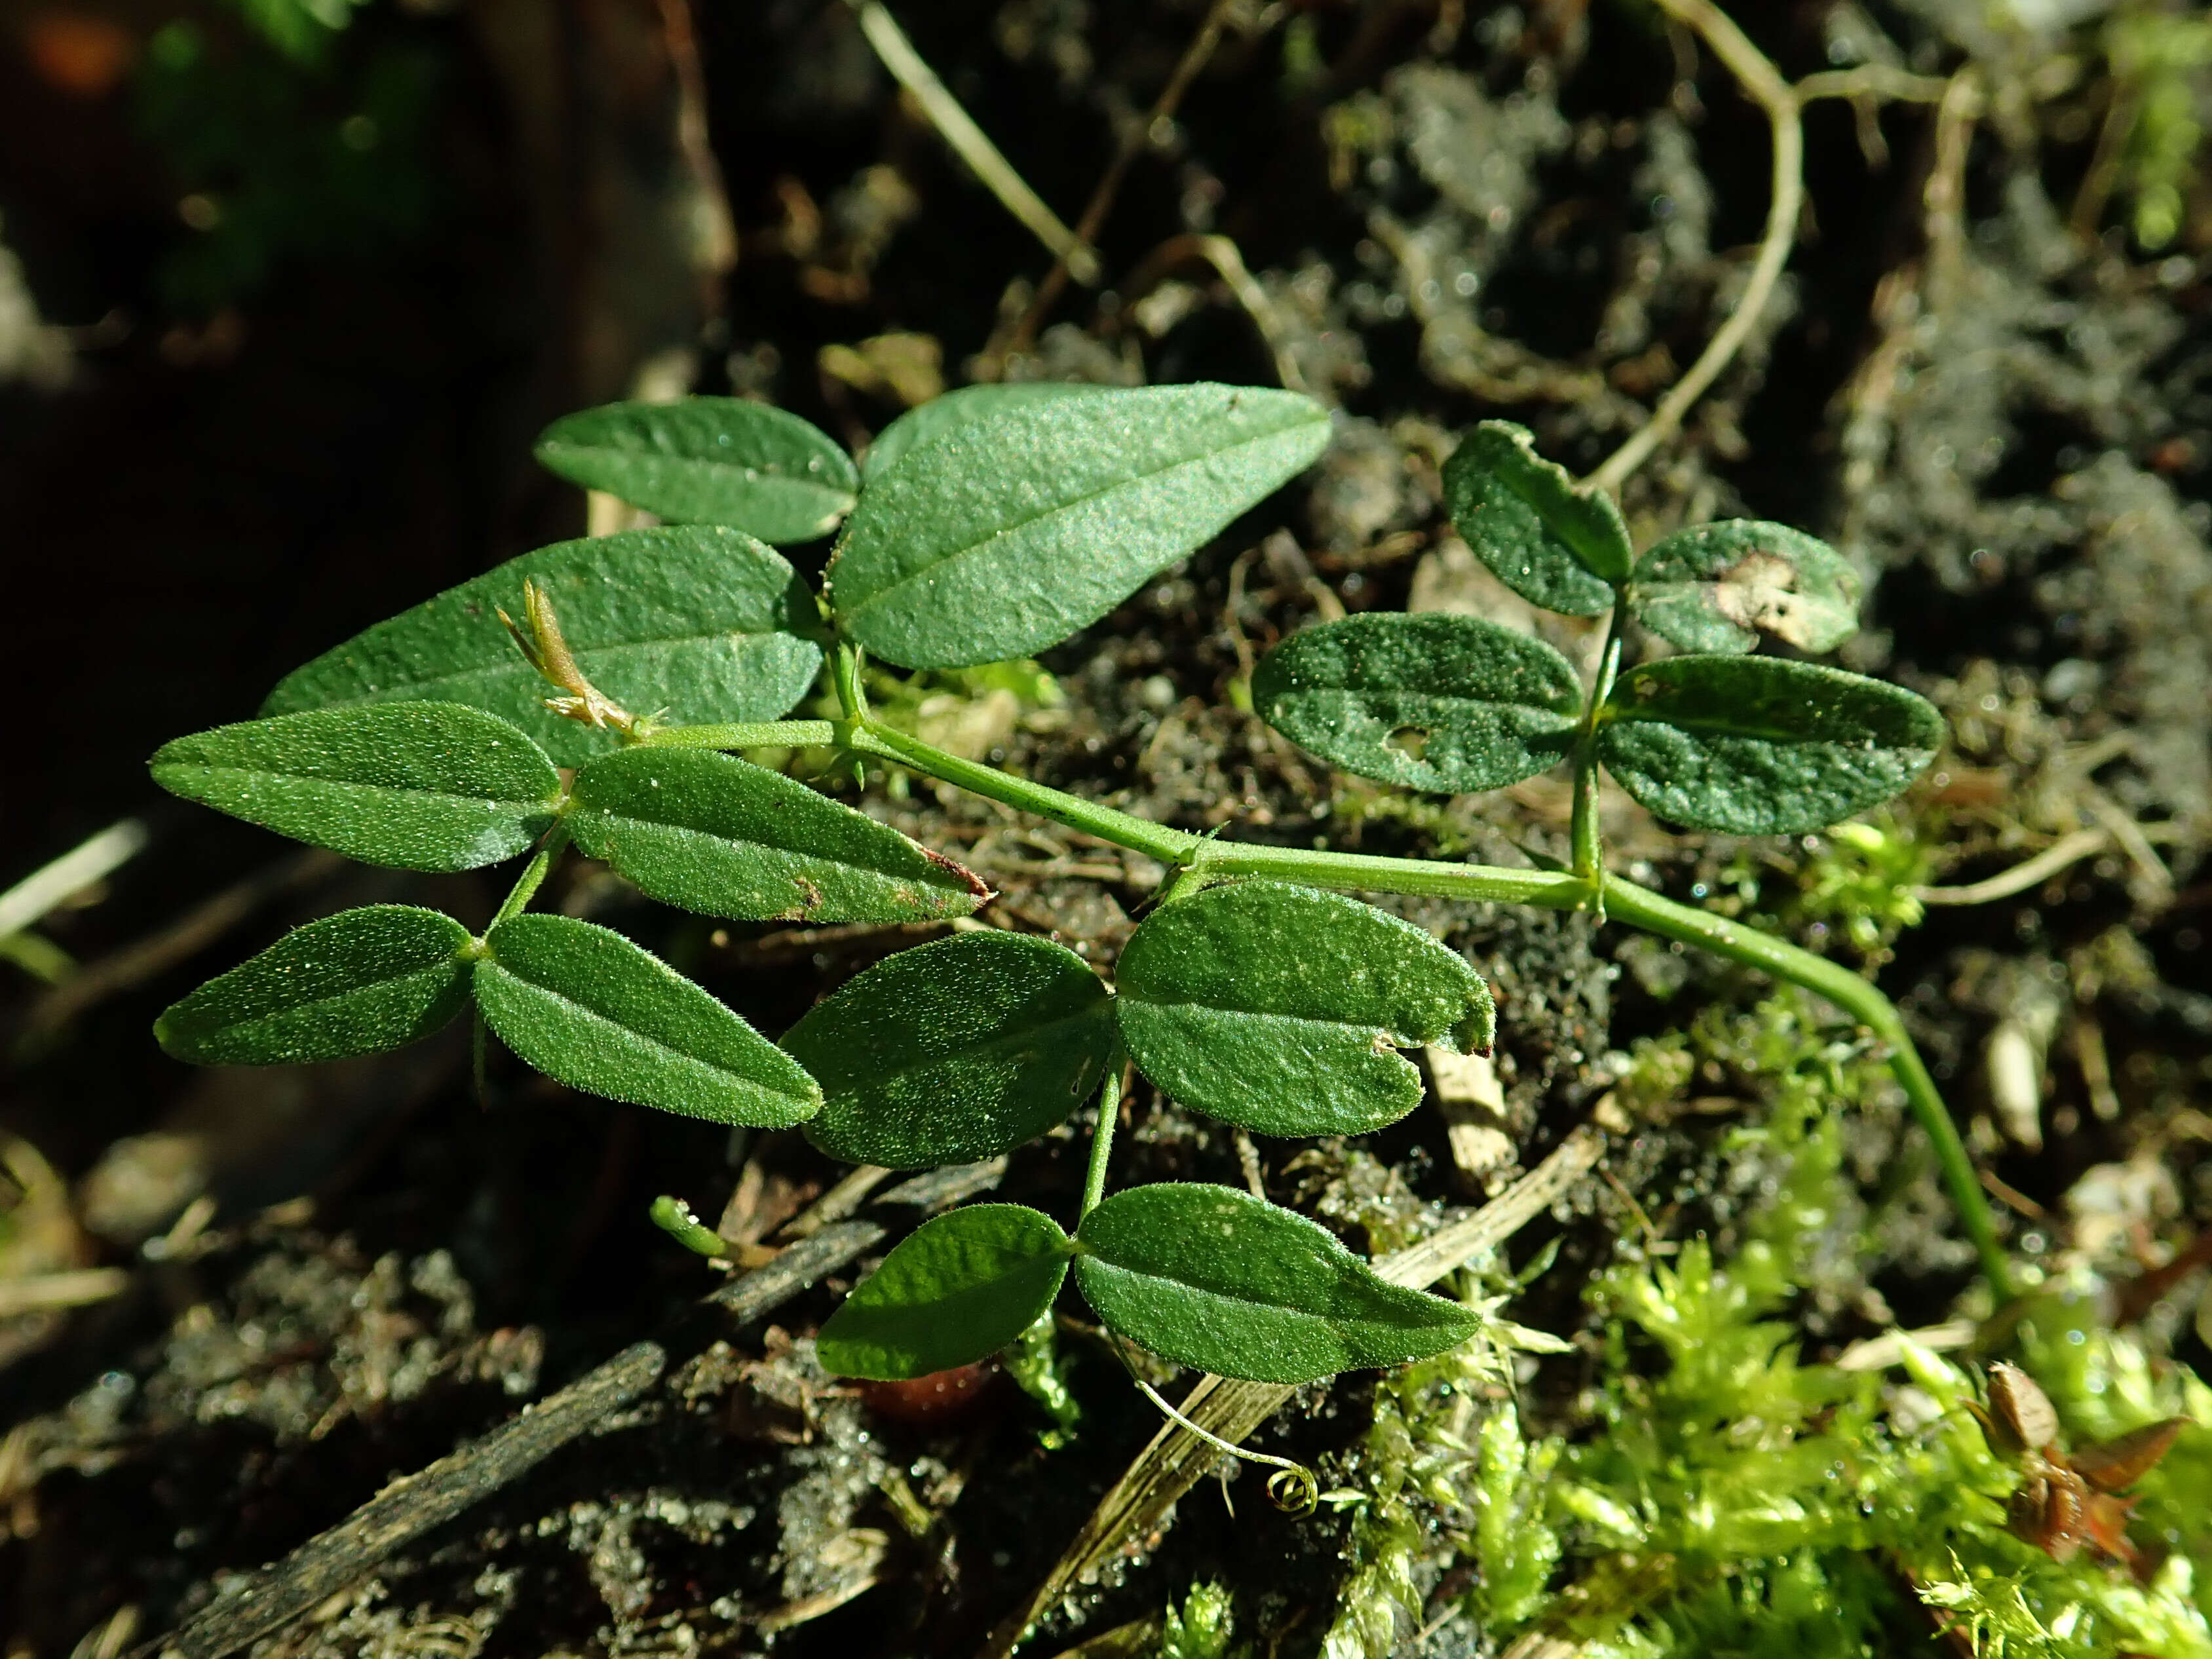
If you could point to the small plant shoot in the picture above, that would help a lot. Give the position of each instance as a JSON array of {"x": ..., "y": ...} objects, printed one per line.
[{"x": 991, "y": 524}]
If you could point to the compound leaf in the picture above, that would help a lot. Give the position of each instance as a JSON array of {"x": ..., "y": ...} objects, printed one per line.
[
  {"x": 356, "y": 983},
  {"x": 722, "y": 836},
  {"x": 1035, "y": 518},
  {"x": 1713, "y": 587},
  {"x": 1757, "y": 746},
  {"x": 939, "y": 416},
  {"x": 418, "y": 786},
  {"x": 959, "y": 1288},
  {"x": 591, "y": 1010},
  {"x": 1444, "y": 703},
  {"x": 1555, "y": 545},
  {"x": 954, "y": 1052},
  {"x": 704, "y": 623},
  {"x": 1279, "y": 1007},
  {"x": 1212, "y": 1277},
  {"x": 709, "y": 460}
]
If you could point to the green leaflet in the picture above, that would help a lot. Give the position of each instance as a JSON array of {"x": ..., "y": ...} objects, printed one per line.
[
  {"x": 1212, "y": 1277},
  {"x": 1442, "y": 702},
  {"x": 356, "y": 983},
  {"x": 709, "y": 460},
  {"x": 718, "y": 835},
  {"x": 961, "y": 1287},
  {"x": 1757, "y": 746},
  {"x": 939, "y": 416},
  {"x": 955, "y": 1051},
  {"x": 590, "y": 1009},
  {"x": 1555, "y": 545},
  {"x": 1035, "y": 518},
  {"x": 704, "y": 623},
  {"x": 1714, "y": 587},
  {"x": 1278, "y": 1007},
  {"x": 417, "y": 786}
]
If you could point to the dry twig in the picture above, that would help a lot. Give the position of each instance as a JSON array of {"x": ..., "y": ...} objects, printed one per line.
[
  {"x": 1133, "y": 143},
  {"x": 1763, "y": 84},
  {"x": 410, "y": 1506},
  {"x": 958, "y": 129}
]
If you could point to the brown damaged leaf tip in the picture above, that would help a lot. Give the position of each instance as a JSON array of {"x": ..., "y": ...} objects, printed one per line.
[{"x": 982, "y": 893}]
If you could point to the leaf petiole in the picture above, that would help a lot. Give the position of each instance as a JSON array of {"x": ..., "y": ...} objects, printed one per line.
[
  {"x": 533, "y": 875},
  {"x": 1588, "y": 859},
  {"x": 1102, "y": 1137},
  {"x": 757, "y": 734}
]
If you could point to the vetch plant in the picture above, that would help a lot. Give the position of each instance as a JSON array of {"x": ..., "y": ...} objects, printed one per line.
[{"x": 988, "y": 525}]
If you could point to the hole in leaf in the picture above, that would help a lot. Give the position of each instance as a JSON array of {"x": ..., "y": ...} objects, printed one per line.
[{"x": 1411, "y": 741}]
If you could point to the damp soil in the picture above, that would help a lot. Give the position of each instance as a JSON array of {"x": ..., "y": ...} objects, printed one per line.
[{"x": 1450, "y": 213}]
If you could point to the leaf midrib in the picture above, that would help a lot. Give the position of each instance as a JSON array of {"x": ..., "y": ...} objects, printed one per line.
[
  {"x": 1368, "y": 1028},
  {"x": 501, "y": 803},
  {"x": 1067, "y": 505},
  {"x": 497, "y": 666},
  {"x": 1227, "y": 1299},
  {"x": 1565, "y": 717},
  {"x": 882, "y": 1079},
  {"x": 928, "y": 873},
  {"x": 656, "y": 1044},
  {"x": 258, "y": 1021},
  {"x": 1706, "y": 727},
  {"x": 706, "y": 463}
]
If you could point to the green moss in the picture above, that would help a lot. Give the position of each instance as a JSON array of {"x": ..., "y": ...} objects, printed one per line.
[
  {"x": 1860, "y": 881},
  {"x": 1712, "y": 1492},
  {"x": 1033, "y": 1361},
  {"x": 1201, "y": 1627}
]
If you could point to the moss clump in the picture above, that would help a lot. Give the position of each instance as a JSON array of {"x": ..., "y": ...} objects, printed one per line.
[{"x": 1712, "y": 1492}]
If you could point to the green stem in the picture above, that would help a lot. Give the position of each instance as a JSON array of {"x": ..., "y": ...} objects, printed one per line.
[
  {"x": 1589, "y": 862},
  {"x": 845, "y": 662},
  {"x": 1174, "y": 847},
  {"x": 1365, "y": 872},
  {"x": 762, "y": 734},
  {"x": 1102, "y": 1137},
  {"x": 1861, "y": 1000},
  {"x": 1207, "y": 858},
  {"x": 533, "y": 875}
]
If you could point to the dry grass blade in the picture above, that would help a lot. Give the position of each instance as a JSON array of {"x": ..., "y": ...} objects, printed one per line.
[
  {"x": 1763, "y": 84},
  {"x": 967, "y": 141}
]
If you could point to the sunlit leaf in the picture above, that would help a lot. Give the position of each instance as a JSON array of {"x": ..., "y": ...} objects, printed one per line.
[
  {"x": 1432, "y": 702},
  {"x": 356, "y": 983},
  {"x": 723, "y": 837},
  {"x": 1281, "y": 1008},
  {"x": 954, "y": 1052},
  {"x": 591, "y": 1010},
  {"x": 1757, "y": 746},
  {"x": 709, "y": 460},
  {"x": 1035, "y": 518},
  {"x": 961, "y": 1287},
  {"x": 704, "y": 623},
  {"x": 1554, "y": 544},
  {"x": 1716, "y": 587},
  {"x": 939, "y": 416},
  {"x": 1212, "y": 1277},
  {"x": 418, "y": 786}
]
